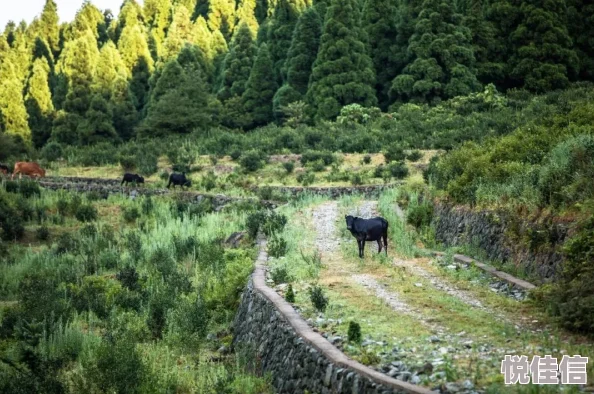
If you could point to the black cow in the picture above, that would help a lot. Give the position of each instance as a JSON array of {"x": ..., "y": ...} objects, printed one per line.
[
  {"x": 132, "y": 178},
  {"x": 179, "y": 179},
  {"x": 4, "y": 169},
  {"x": 373, "y": 229}
]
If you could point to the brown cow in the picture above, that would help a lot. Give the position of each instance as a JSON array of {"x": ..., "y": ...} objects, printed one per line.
[{"x": 28, "y": 168}]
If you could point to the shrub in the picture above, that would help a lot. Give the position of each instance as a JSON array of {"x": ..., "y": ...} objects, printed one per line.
[
  {"x": 42, "y": 233},
  {"x": 10, "y": 220},
  {"x": 88, "y": 231},
  {"x": 86, "y": 213},
  {"x": 66, "y": 243},
  {"x": 277, "y": 246},
  {"x": 318, "y": 298},
  {"x": 209, "y": 181},
  {"x": 394, "y": 153},
  {"x": 75, "y": 203},
  {"x": 354, "y": 332},
  {"x": 398, "y": 170},
  {"x": 62, "y": 206},
  {"x": 356, "y": 180},
  {"x": 420, "y": 215},
  {"x": 379, "y": 171},
  {"x": 325, "y": 157},
  {"x": 275, "y": 223},
  {"x": 235, "y": 154},
  {"x": 52, "y": 151},
  {"x": 128, "y": 163},
  {"x": 280, "y": 274},
  {"x": 289, "y": 166},
  {"x": 147, "y": 205},
  {"x": 28, "y": 188},
  {"x": 164, "y": 176},
  {"x": 252, "y": 161},
  {"x": 147, "y": 163},
  {"x": 93, "y": 196},
  {"x": 129, "y": 278},
  {"x": 213, "y": 159},
  {"x": 131, "y": 214},
  {"x": 290, "y": 295},
  {"x": 306, "y": 178},
  {"x": 318, "y": 166},
  {"x": 414, "y": 155},
  {"x": 366, "y": 159},
  {"x": 254, "y": 221}
]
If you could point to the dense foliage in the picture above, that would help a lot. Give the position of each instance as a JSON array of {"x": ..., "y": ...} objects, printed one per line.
[{"x": 165, "y": 68}]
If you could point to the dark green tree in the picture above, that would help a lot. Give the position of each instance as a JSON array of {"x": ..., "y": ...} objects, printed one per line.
[
  {"x": 380, "y": 21},
  {"x": 280, "y": 34},
  {"x": 139, "y": 84},
  {"x": 50, "y": 30},
  {"x": 300, "y": 59},
  {"x": 157, "y": 17},
  {"x": 260, "y": 89},
  {"x": 580, "y": 13},
  {"x": 98, "y": 123},
  {"x": 443, "y": 62},
  {"x": 179, "y": 33},
  {"x": 237, "y": 64},
  {"x": 38, "y": 102},
  {"x": 543, "y": 57},
  {"x": 221, "y": 16},
  {"x": 343, "y": 71}
]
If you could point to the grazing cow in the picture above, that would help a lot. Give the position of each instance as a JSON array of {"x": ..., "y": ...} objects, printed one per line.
[
  {"x": 4, "y": 169},
  {"x": 28, "y": 168},
  {"x": 373, "y": 229},
  {"x": 132, "y": 178},
  {"x": 179, "y": 179}
]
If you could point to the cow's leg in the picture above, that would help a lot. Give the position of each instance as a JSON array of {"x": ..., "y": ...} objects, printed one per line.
[
  {"x": 363, "y": 248},
  {"x": 385, "y": 237},
  {"x": 379, "y": 244}
]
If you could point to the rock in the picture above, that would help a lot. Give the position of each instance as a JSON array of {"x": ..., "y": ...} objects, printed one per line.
[
  {"x": 335, "y": 340},
  {"x": 434, "y": 339},
  {"x": 415, "y": 379},
  {"x": 443, "y": 350},
  {"x": 223, "y": 350},
  {"x": 452, "y": 387},
  {"x": 397, "y": 364},
  {"x": 467, "y": 384},
  {"x": 367, "y": 342},
  {"x": 418, "y": 284},
  {"x": 467, "y": 344},
  {"x": 393, "y": 372},
  {"x": 211, "y": 337},
  {"x": 404, "y": 376},
  {"x": 451, "y": 267},
  {"x": 235, "y": 238}
]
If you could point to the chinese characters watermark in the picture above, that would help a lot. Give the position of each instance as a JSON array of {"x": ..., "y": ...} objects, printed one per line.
[{"x": 544, "y": 370}]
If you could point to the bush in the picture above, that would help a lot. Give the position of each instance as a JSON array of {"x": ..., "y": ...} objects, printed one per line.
[
  {"x": 128, "y": 163},
  {"x": 66, "y": 243},
  {"x": 356, "y": 180},
  {"x": 147, "y": 163},
  {"x": 252, "y": 161},
  {"x": 398, "y": 170},
  {"x": 62, "y": 206},
  {"x": 317, "y": 166},
  {"x": 366, "y": 159},
  {"x": 213, "y": 159},
  {"x": 354, "y": 332},
  {"x": 147, "y": 205},
  {"x": 235, "y": 154},
  {"x": 394, "y": 153},
  {"x": 420, "y": 215},
  {"x": 277, "y": 246},
  {"x": 289, "y": 166},
  {"x": 306, "y": 178},
  {"x": 209, "y": 181},
  {"x": 42, "y": 233},
  {"x": 275, "y": 223},
  {"x": 415, "y": 155},
  {"x": 88, "y": 231},
  {"x": 280, "y": 274},
  {"x": 290, "y": 295},
  {"x": 10, "y": 220},
  {"x": 318, "y": 298},
  {"x": 131, "y": 214},
  {"x": 86, "y": 213},
  {"x": 254, "y": 221},
  {"x": 52, "y": 151},
  {"x": 325, "y": 157}
]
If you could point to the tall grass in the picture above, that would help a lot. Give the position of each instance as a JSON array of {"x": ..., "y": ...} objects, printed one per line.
[{"x": 402, "y": 239}]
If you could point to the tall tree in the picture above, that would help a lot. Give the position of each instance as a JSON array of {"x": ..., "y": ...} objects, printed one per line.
[
  {"x": 178, "y": 104},
  {"x": 260, "y": 89},
  {"x": 221, "y": 16},
  {"x": 38, "y": 102},
  {"x": 139, "y": 85},
  {"x": 237, "y": 64},
  {"x": 157, "y": 14},
  {"x": 380, "y": 21},
  {"x": 300, "y": 59},
  {"x": 97, "y": 125},
  {"x": 581, "y": 29},
  {"x": 246, "y": 14},
  {"x": 543, "y": 57},
  {"x": 89, "y": 18},
  {"x": 180, "y": 32},
  {"x": 343, "y": 71},
  {"x": 110, "y": 68},
  {"x": 131, "y": 14},
  {"x": 50, "y": 30},
  {"x": 12, "y": 106},
  {"x": 504, "y": 17},
  {"x": 443, "y": 64},
  {"x": 202, "y": 36},
  {"x": 280, "y": 34},
  {"x": 133, "y": 47},
  {"x": 192, "y": 58}
]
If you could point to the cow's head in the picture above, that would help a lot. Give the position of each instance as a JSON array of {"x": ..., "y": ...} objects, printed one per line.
[
  {"x": 188, "y": 183},
  {"x": 140, "y": 179},
  {"x": 350, "y": 221}
]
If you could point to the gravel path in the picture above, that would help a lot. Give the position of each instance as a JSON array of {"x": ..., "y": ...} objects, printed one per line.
[{"x": 327, "y": 238}]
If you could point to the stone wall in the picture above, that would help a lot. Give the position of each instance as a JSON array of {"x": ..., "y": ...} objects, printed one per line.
[
  {"x": 532, "y": 245},
  {"x": 298, "y": 358},
  {"x": 332, "y": 191}
]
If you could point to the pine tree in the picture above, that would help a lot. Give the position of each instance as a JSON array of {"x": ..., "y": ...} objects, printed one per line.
[
  {"x": 443, "y": 65},
  {"x": 38, "y": 102},
  {"x": 504, "y": 17},
  {"x": 488, "y": 51},
  {"x": 178, "y": 103},
  {"x": 88, "y": 18},
  {"x": 260, "y": 89},
  {"x": 12, "y": 106},
  {"x": 237, "y": 64},
  {"x": 246, "y": 14},
  {"x": 133, "y": 47},
  {"x": 98, "y": 123},
  {"x": 280, "y": 34},
  {"x": 581, "y": 29},
  {"x": 110, "y": 68},
  {"x": 125, "y": 115},
  {"x": 50, "y": 30},
  {"x": 139, "y": 85},
  {"x": 157, "y": 14},
  {"x": 380, "y": 19},
  {"x": 343, "y": 71},
  {"x": 221, "y": 16},
  {"x": 131, "y": 14},
  {"x": 180, "y": 32},
  {"x": 300, "y": 59},
  {"x": 192, "y": 58},
  {"x": 202, "y": 36},
  {"x": 543, "y": 56}
]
